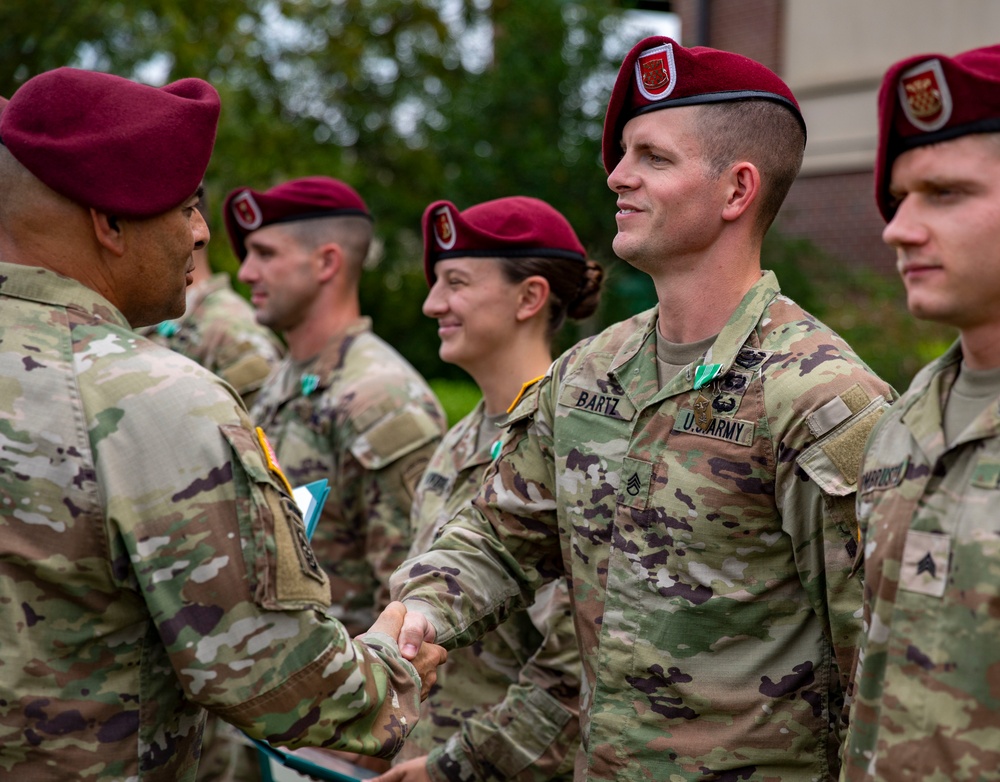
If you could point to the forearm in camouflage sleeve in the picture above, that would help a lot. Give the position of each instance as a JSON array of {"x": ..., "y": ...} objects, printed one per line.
[
  {"x": 361, "y": 698},
  {"x": 491, "y": 557},
  {"x": 533, "y": 734}
]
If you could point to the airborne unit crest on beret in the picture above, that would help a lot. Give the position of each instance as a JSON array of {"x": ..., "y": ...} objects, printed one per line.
[
  {"x": 246, "y": 211},
  {"x": 444, "y": 228},
  {"x": 931, "y": 98},
  {"x": 925, "y": 97},
  {"x": 655, "y": 74}
]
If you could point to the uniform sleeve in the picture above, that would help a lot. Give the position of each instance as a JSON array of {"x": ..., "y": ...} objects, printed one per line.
[
  {"x": 533, "y": 734},
  {"x": 491, "y": 557},
  {"x": 210, "y": 539},
  {"x": 816, "y": 496},
  {"x": 391, "y": 455}
]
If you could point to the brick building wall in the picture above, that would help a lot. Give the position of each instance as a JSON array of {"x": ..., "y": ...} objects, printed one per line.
[{"x": 837, "y": 213}]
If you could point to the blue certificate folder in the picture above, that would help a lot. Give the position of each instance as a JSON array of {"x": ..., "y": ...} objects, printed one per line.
[
  {"x": 321, "y": 766},
  {"x": 310, "y": 498}
]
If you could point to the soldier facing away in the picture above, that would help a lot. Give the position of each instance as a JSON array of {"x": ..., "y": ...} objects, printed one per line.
[
  {"x": 927, "y": 704},
  {"x": 690, "y": 470},
  {"x": 152, "y": 562}
]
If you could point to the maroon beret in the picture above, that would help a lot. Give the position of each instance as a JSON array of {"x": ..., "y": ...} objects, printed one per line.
[
  {"x": 246, "y": 210},
  {"x": 514, "y": 227},
  {"x": 930, "y": 98},
  {"x": 110, "y": 143},
  {"x": 659, "y": 73}
]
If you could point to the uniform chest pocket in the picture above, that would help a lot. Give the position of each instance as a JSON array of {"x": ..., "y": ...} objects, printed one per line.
[{"x": 634, "y": 487}]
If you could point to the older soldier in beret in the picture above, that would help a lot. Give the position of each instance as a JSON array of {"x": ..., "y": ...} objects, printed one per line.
[
  {"x": 927, "y": 704},
  {"x": 691, "y": 470},
  {"x": 343, "y": 405},
  {"x": 504, "y": 276},
  {"x": 219, "y": 331},
  {"x": 152, "y": 562}
]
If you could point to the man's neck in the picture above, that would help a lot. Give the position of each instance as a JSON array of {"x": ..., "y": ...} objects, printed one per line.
[
  {"x": 696, "y": 306},
  {"x": 309, "y": 338},
  {"x": 981, "y": 346}
]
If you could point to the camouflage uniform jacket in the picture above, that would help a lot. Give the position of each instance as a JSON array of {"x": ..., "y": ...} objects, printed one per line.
[
  {"x": 220, "y": 332},
  {"x": 360, "y": 416},
  {"x": 151, "y": 563},
  {"x": 708, "y": 563},
  {"x": 927, "y": 703},
  {"x": 508, "y": 706}
]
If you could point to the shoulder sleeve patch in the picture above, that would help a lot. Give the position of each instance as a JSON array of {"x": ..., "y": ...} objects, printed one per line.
[
  {"x": 393, "y": 437},
  {"x": 834, "y": 461},
  {"x": 283, "y": 567}
]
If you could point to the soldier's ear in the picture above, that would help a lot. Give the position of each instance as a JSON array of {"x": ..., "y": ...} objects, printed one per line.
[
  {"x": 329, "y": 261},
  {"x": 743, "y": 189},
  {"x": 108, "y": 232},
  {"x": 533, "y": 296}
]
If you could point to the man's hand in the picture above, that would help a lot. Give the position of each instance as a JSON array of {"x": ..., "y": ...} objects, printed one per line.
[
  {"x": 425, "y": 655},
  {"x": 390, "y": 621},
  {"x": 415, "y": 631},
  {"x": 413, "y": 770}
]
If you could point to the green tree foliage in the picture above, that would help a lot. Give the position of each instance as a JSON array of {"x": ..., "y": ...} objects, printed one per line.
[{"x": 864, "y": 307}]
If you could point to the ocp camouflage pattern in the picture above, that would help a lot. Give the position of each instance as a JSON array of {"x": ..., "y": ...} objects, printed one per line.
[
  {"x": 219, "y": 330},
  {"x": 507, "y": 707},
  {"x": 150, "y": 565},
  {"x": 709, "y": 565},
  {"x": 927, "y": 703},
  {"x": 368, "y": 424}
]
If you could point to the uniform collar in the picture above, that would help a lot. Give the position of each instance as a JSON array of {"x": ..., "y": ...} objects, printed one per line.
[
  {"x": 634, "y": 366},
  {"x": 48, "y": 287},
  {"x": 922, "y": 406}
]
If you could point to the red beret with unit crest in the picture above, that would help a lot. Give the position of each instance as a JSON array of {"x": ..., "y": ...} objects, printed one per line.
[
  {"x": 659, "y": 73},
  {"x": 513, "y": 227},
  {"x": 118, "y": 146},
  {"x": 930, "y": 98},
  {"x": 246, "y": 210}
]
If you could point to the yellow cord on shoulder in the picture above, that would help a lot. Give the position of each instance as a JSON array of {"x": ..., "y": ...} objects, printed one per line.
[{"x": 520, "y": 394}]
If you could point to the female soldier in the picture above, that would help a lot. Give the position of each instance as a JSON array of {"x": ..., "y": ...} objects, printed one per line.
[{"x": 504, "y": 275}]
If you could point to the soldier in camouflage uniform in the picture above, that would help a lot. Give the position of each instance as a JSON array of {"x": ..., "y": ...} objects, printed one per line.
[
  {"x": 152, "y": 563},
  {"x": 690, "y": 470},
  {"x": 926, "y": 705},
  {"x": 504, "y": 277},
  {"x": 343, "y": 405},
  {"x": 219, "y": 331}
]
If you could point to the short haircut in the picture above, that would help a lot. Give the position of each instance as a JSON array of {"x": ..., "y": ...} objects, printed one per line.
[
  {"x": 352, "y": 233},
  {"x": 761, "y": 132}
]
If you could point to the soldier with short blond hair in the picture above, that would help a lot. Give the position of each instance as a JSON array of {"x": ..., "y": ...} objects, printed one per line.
[
  {"x": 927, "y": 705},
  {"x": 691, "y": 470}
]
